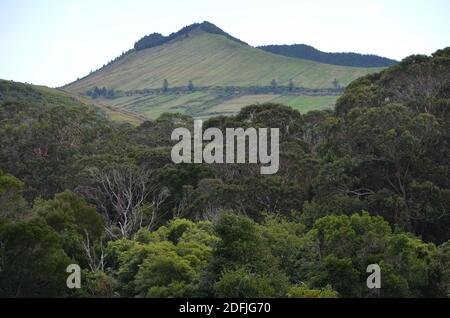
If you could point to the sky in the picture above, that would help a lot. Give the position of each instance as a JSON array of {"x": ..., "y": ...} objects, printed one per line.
[{"x": 52, "y": 42}]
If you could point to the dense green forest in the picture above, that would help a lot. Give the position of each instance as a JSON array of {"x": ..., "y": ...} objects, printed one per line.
[
  {"x": 306, "y": 52},
  {"x": 366, "y": 183}
]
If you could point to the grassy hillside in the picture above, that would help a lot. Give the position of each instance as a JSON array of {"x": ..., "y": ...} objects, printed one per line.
[
  {"x": 207, "y": 104},
  {"x": 216, "y": 64},
  {"x": 41, "y": 95},
  {"x": 212, "y": 60}
]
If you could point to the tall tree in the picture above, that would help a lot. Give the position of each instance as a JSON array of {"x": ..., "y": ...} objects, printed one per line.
[
  {"x": 165, "y": 85},
  {"x": 191, "y": 86},
  {"x": 274, "y": 84},
  {"x": 291, "y": 86}
]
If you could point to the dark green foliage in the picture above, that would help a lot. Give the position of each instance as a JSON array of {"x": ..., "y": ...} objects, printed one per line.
[
  {"x": 273, "y": 84},
  {"x": 243, "y": 264},
  {"x": 419, "y": 82},
  {"x": 157, "y": 39},
  {"x": 40, "y": 143},
  {"x": 344, "y": 246},
  {"x": 102, "y": 92},
  {"x": 165, "y": 85},
  {"x": 150, "y": 41},
  {"x": 191, "y": 86},
  {"x": 291, "y": 86},
  {"x": 33, "y": 260},
  {"x": 366, "y": 185},
  {"x": 96, "y": 285},
  {"x": 306, "y": 52},
  {"x": 12, "y": 204},
  {"x": 25, "y": 94},
  {"x": 69, "y": 212},
  {"x": 395, "y": 162}
]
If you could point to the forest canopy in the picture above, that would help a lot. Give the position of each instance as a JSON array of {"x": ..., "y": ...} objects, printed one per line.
[{"x": 368, "y": 183}]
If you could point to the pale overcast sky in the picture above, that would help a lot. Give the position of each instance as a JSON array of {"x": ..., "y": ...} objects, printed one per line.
[{"x": 52, "y": 42}]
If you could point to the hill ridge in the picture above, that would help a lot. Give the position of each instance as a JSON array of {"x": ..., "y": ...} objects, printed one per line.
[
  {"x": 43, "y": 96},
  {"x": 307, "y": 52},
  {"x": 157, "y": 39}
]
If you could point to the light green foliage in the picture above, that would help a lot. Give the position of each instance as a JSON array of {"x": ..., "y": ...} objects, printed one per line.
[
  {"x": 164, "y": 263},
  {"x": 242, "y": 250},
  {"x": 284, "y": 239},
  {"x": 444, "y": 258},
  {"x": 242, "y": 283},
  {"x": 305, "y": 292},
  {"x": 417, "y": 263},
  {"x": 346, "y": 245}
]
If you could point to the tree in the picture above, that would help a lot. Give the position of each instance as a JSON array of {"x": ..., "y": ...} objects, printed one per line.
[
  {"x": 242, "y": 283},
  {"x": 338, "y": 249},
  {"x": 127, "y": 196},
  {"x": 80, "y": 226},
  {"x": 33, "y": 262},
  {"x": 42, "y": 142},
  {"x": 336, "y": 83},
  {"x": 166, "y": 263},
  {"x": 243, "y": 255},
  {"x": 291, "y": 86},
  {"x": 417, "y": 82},
  {"x": 191, "y": 86},
  {"x": 165, "y": 275},
  {"x": 68, "y": 211},
  {"x": 165, "y": 85},
  {"x": 303, "y": 291},
  {"x": 12, "y": 204},
  {"x": 381, "y": 154},
  {"x": 273, "y": 84},
  {"x": 96, "y": 285}
]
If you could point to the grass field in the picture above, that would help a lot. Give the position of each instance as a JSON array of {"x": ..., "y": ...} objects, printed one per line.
[
  {"x": 203, "y": 104},
  {"x": 305, "y": 104},
  {"x": 235, "y": 104},
  {"x": 213, "y": 60}
]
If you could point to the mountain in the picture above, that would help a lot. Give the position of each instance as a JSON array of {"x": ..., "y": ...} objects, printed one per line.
[
  {"x": 223, "y": 71},
  {"x": 306, "y": 52},
  {"x": 157, "y": 39},
  {"x": 42, "y": 96}
]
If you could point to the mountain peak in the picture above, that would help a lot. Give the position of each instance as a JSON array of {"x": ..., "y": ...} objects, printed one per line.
[{"x": 157, "y": 39}]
